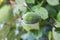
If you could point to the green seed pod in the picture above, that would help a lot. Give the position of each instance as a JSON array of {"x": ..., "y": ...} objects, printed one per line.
[
  {"x": 31, "y": 18},
  {"x": 30, "y": 21}
]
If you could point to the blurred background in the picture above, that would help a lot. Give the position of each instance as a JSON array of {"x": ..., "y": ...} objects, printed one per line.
[{"x": 29, "y": 19}]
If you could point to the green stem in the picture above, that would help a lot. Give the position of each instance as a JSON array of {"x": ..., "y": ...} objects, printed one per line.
[{"x": 41, "y": 3}]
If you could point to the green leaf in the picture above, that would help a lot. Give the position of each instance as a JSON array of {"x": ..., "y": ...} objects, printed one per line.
[
  {"x": 50, "y": 35},
  {"x": 57, "y": 24},
  {"x": 36, "y": 7},
  {"x": 30, "y": 1},
  {"x": 56, "y": 35},
  {"x": 29, "y": 27},
  {"x": 11, "y": 35},
  {"x": 4, "y": 32},
  {"x": 57, "y": 7},
  {"x": 5, "y": 13},
  {"x": 51, "y": 11},
  {"x": 41, "y": 11},
  {"x": 53, "y": 2},
  {"x": 21, "y": 5},
  {"x": 58, "y": 16}
]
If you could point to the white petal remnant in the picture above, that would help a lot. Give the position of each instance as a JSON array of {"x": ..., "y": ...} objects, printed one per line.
[
  {"x": 16, "y": 31},
  {"x": 6, "y": 39},
  {"x": 1, "y": 26}
]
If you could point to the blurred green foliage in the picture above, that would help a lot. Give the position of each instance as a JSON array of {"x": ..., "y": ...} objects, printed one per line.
[{"x": 29, "y": 19}]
